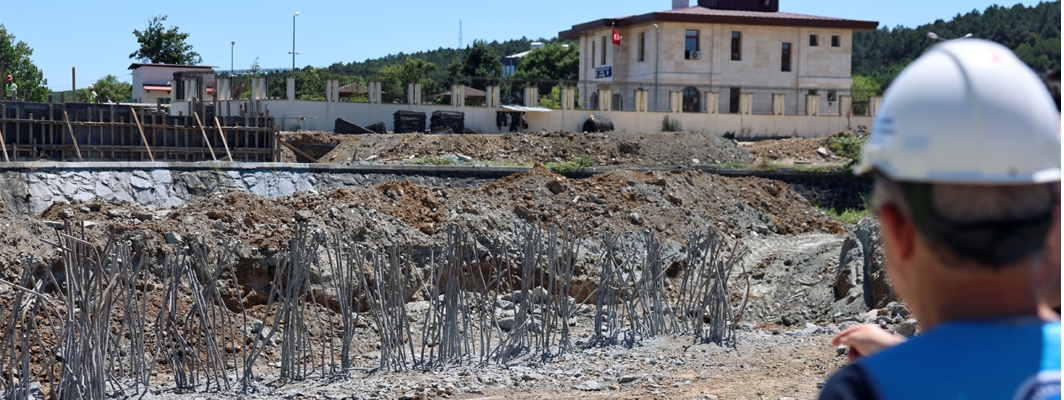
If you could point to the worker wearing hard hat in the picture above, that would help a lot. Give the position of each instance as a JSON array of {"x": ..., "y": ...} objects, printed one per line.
[
  {"x": 92, "y": 95},
  {"x": 10, "y": 89},
  {"x": 965, "y": 152}
]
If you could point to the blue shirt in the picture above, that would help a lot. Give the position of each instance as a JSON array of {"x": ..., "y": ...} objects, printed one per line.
[{"x": 961, "y": 360}]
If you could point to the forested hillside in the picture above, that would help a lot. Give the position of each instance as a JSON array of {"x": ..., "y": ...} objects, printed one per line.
[
  {"x": 441, "y": 57},
  {"x": 1032, "y": 32}
]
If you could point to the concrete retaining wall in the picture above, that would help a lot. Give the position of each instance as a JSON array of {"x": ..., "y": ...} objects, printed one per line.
[
  {"x": 321, "y": 116},
  {"x": 29, "y": 188}
]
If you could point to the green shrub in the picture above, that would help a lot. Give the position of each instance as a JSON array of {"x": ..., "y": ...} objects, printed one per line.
[
  {"x": 847, "y": 145},
  {"x": 670, "y": 125}
]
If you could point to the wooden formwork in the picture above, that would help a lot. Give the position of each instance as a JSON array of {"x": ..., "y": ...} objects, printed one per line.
[{"x": 119, "y": 132}]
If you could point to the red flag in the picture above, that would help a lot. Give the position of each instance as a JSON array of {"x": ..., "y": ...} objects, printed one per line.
[{"x": 616, "y": 37}]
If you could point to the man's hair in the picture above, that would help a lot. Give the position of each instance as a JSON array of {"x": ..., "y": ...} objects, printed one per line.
[{"x": 990, "y": 207}]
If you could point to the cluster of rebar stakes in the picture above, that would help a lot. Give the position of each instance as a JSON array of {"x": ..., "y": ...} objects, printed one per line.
[{"x": 90, "y": 329}]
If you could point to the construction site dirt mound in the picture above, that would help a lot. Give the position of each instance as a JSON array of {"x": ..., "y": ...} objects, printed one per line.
[
  {"x": 612, "y": 148},
  {"x": 800, "y": 151}
]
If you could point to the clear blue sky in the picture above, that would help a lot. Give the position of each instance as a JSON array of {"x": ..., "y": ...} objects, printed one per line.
[{"x": 96, "y": 37}]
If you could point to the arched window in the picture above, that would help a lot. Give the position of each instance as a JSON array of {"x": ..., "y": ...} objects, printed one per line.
[
  {"x": 594, "y": 101},
  {"x": 690, "y": 100}
]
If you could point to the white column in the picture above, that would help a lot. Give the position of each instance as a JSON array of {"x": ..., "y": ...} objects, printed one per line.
[
  {"x": 676, "y": 102},
  {"x": 712, "y": 102},
  {"x": 606, "y": 99},
  {"x": 746, "y": 103},
  {"x": 290, "y": 89},
  {"x": 873, "y": 105},
  {"x": 845, "y": 105},
  {"x": 191, "y": 91},
  {"x": 778, "y": 102},
  {"x": 328, "y": 90},
  {"x": 812, "y": 104}
]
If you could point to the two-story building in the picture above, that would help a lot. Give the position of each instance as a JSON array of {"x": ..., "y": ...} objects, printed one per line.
[
  {"x": 716, "y": 56},
  {"x": 151, "y": 82}
]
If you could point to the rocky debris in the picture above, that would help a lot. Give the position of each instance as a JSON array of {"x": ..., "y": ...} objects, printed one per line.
[
  {"x": 814, "y": 152},
  {"x": 613, "y": 148},
  {"x": 907, "y": 328},
  {"x": 589, "y": 386}
]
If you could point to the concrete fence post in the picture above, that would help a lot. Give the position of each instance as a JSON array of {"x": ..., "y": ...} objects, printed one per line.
[
  {"x": 746, "y": 103},
  {"x": 290, "y": 87},
  {"x": 778, "y": 103},
  {"x": 873, "y": 105},
  {"x": 410, "y": 96},
  {"x": 845, "y": 105},
  {"x": 191, "y": 91},
  {"x": 531, "y": 96},
  {"x": 812, "y": 104},
  {"x": 712, "y": 105},
  {"x": 328, "y": 90},
  {"x": 676, "y": 102}
]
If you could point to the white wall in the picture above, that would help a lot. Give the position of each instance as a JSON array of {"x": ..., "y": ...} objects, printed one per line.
[{"x": 321, "y": 116}]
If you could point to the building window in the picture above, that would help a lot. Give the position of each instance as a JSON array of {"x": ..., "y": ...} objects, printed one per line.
[
  {"x": 603, "y": 59},
  {"x": 833, "y": 95},
  {"x": 733, "y": 101},
  {"x": 835, "y": 41},
  {"x": 785, "y": 57},
  {"x": 592, "y": 54},
  {"x": 690, "y": 99},
  {"x": 814, "y": 41},
  {"x": 736, "y": 46},
  {"x": 690, "y": 45},
  {"x": 594, "y": 101},
  {"x": 642, "y": 46},
  {"x": 813, "y": 92}
]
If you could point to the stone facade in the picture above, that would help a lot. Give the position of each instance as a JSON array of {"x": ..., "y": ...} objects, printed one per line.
[{"x": 759, "y": 70}]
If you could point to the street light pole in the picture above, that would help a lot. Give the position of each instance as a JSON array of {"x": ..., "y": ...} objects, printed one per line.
[
  {"x": 231, "y": 47},
  {"x": 294, "y": 41}
]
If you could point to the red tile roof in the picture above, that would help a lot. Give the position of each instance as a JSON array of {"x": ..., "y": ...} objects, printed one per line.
[{"x": 700, "y": 14}]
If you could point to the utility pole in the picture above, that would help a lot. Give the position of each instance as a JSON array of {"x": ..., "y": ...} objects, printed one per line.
[
  {"x": 231, "y": 52},
  {"x": 294, "y": 42}
]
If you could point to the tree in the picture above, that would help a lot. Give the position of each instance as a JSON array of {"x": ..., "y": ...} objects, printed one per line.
[
  {"x": 108, "y": 86},
  {"x": 479, "y": 61},
  {"x": 395, "y": 78},
  {"x": 552, "y": 62},
  {"x": 159, "y": 45},
  {"x": 16, "y": 59}
]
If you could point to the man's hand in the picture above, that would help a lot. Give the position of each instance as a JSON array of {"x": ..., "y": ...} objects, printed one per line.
[{"x": 865, "y": 339}]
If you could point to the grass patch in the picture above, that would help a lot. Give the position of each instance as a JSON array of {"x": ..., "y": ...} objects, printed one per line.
[
  {"x": 431, "y": 161},
  {"x": 567, "y": 167},
  {"x": 848, "y": 216}
]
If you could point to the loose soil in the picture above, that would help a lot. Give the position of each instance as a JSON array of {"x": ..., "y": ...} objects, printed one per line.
[
  {"x": 612, "y": 148},
  {"x": 782, "y": 352},
  {"x": 795, "y": 151}
]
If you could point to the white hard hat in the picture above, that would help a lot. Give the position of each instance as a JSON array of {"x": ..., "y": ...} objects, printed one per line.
[
  {"x": 90, "y": 86},
  {"x": 967, "y": 111}
]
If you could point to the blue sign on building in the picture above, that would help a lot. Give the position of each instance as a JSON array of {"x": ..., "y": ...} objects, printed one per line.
[{"x": 603, "y": 72}]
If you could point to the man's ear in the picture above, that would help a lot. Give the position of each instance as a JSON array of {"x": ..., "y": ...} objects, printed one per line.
[{"x": 899, "y": 230}]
